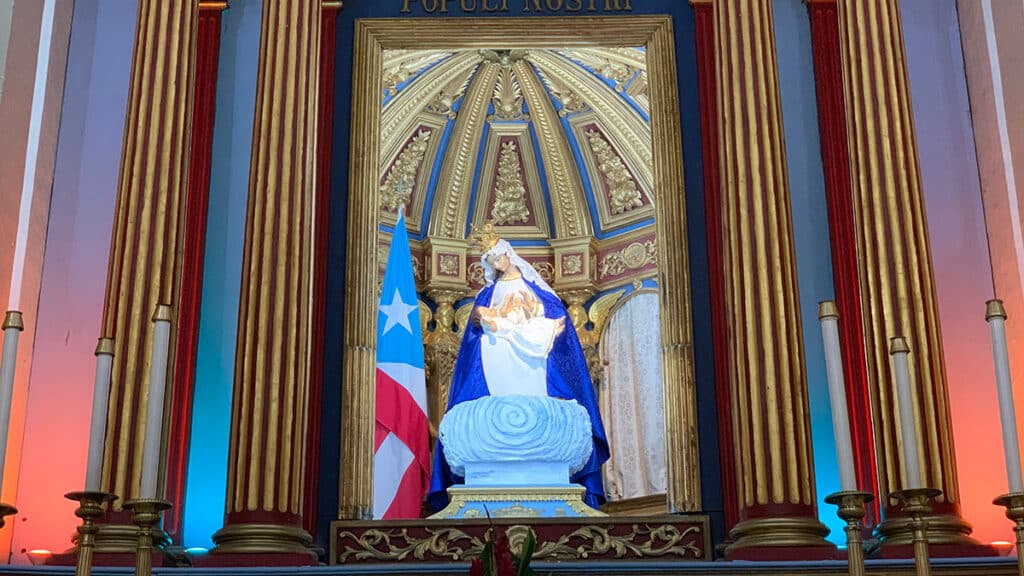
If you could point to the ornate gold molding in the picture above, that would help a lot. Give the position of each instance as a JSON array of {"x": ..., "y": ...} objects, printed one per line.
[
  {"x": 628, "y": 171},
  {"x": 371, "y": 38},
  {"x": 574, "y": 260},
  {"x": 401, "y": 179},
  {"x": 417, "y": 170},
  {"x": 501, "y": 132},
  {"x": 637, "y": 538},
  {"x": 623, "y": 194},
  {"x": 400, "y": 65},
  {"x": 451, "y": 75},
  {"x": 564, "y": 182},
  {"x": 617, "y": 70},
  {"x": 463, "y": 498},
  {"x": 628, "y": 122},
  {"x": 509, "y": 193},
  {"x": 455, "y": 184},
  {"x": 441, "y": 348}
]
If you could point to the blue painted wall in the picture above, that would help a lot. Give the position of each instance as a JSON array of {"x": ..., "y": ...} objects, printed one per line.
[
  {"x": 810, "y": 234},
  {"x": 229, "y": 190},
  {"x": 685, "y": 58}
]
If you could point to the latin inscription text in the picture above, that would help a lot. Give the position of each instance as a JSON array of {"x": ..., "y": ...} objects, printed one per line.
[{"x": 473, "y": 6}]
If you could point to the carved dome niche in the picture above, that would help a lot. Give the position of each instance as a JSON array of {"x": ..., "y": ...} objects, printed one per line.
[{"x": 547, "y": 144}]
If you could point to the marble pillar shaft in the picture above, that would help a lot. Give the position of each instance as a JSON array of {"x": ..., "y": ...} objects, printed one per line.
[
  {"x": 269, "y": 419},
  {"x": 146, "y": 247},
  {"x": 769, "y": 389},
  {"x": 897, "y": 283}
]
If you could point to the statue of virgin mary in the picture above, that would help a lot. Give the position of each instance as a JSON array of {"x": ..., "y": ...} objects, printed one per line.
[{"x": 520, "y": 341}]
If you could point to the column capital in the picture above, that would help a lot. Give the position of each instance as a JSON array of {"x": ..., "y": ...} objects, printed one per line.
[
  {"x": 575, "y": 263},
  {"x": 446, "y": 263}
]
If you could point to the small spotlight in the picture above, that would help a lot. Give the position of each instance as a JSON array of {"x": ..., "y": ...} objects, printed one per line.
[
  {"x": 196, "y": 550},
  {"x": 39, "y": 557},
  {"x": 1003, "y": 547}
]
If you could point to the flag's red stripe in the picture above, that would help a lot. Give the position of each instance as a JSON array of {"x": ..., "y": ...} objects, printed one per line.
[
  {"x": 408, "y": 502},
  {"x": 399, "y": 413},
  {"x": 379, "y": 434}
]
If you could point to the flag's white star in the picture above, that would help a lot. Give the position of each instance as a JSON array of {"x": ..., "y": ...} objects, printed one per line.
[{"x": 397, "y": 313}]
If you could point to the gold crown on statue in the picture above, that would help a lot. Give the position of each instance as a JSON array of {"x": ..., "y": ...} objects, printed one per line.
[{"x": 483, "y": 239}]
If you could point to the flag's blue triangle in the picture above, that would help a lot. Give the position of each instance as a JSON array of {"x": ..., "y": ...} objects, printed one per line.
[{"x": 399, "y": 341}]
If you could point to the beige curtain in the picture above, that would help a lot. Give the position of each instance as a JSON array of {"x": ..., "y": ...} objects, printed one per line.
[{"x": 632, "y": 402}]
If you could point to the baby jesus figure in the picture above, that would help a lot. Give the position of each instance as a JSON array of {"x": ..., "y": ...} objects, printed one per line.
[{"x": 517, "y": 341}]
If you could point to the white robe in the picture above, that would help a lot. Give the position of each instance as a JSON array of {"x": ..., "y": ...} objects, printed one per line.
[{"x": 515, "y": 354}]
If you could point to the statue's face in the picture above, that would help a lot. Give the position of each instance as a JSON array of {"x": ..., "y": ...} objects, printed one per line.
[{"x": 500, "y": 262}]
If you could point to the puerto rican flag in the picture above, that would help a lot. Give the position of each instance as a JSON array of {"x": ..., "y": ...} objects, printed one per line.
[{"x": 401, "y": 461}]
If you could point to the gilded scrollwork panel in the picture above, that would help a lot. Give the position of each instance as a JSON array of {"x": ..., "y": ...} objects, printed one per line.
[
  {"x": 680, "y": 539},
  {"x": 635, "y": 132},
  {"x": 510, "y": 192}
]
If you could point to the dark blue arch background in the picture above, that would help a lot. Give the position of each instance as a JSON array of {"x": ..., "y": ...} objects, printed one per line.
[{"x": 682, "y": 15}]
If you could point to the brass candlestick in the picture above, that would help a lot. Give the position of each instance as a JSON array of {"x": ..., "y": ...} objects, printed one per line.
[
  {"x": 1014, "y": 504},
  {"x": 146, "y": 514},
  {"x": 852, "y": 509},
  {"x": 90, "y": 509},
  {"x": 917, "y": 506},
  {"x": 5, "y": 511}
]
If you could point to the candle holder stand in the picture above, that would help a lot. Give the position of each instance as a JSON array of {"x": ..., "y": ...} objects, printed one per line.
[
  {"x": 852, "y": 509},
  {"x": 916, "y": 503},
  {"x": 1014, "y": 504},
  {"x": 147, "y": 514},
  {"x": 90, "y": 509}
]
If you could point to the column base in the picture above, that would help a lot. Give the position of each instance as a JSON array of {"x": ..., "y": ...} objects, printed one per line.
[
  {"x": 779, "y": 539},
  {"x": 250, "y": 544},
  {"x": 108, "y": 560},
  {"x": 943, "y": 529},
  {"x": 948, "y": 537},
  {"x": 116, "y": 544},
  {"x": 123, "y": 539}
]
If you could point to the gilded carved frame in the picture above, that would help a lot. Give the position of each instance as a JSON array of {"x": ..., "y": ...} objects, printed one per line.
[{"x": 371, "y": 38}]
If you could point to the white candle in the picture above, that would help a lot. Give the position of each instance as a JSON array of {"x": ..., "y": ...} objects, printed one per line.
[
  {"x": 996, "y": 316},
  {"x": 901, "y": 366},
  {"x": 98, "y": 426},
  {"x": 828, "y": 315},
  {"x": 155, "y": 404},
  {"x": 13, "y": 325}
]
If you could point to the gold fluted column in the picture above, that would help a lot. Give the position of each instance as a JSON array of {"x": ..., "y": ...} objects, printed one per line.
[
  {"x": 771, "y": 428},
  {"x": 267, "y": 453},
  {"x": 897, "y": 283},
  {"x": 146, "y": 246},
  {"x": 355, "y": 483}
]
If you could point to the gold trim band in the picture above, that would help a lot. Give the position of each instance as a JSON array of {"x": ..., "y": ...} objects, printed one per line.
[
  {"x": 898, "y": 345},
  {"x": 14, "y": 319},
  {"x": 994, "y": 309},
  {"x": 105, "y": 346},
  {"x": 827, "y": 309}
]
